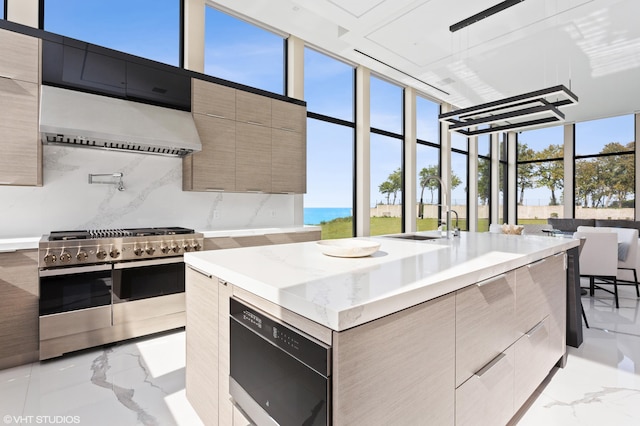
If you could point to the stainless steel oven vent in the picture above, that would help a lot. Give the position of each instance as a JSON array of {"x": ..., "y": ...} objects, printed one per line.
[{"x": 82, "y": 119}]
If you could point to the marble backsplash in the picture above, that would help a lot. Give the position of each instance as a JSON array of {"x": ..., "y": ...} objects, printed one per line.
[{"x": 153, "y": 196}]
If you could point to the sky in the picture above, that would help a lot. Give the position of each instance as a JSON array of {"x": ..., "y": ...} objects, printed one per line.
[{"x": 246, "y": 54}]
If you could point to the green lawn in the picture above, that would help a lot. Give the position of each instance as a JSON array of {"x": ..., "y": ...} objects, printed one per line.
[{"x": 343, "y": 227}]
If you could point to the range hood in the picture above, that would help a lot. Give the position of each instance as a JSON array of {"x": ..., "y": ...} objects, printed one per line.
[{"x": 73, "y": 118}]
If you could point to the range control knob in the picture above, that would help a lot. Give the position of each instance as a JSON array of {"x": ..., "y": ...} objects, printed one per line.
[
  {"x": 81, "y": 256},
  {"x": 150, "y": 250},
  {"x": 187, "y": 247},
  {"x": 65, "y": 257},
  {"x": 114, "y": 253},
  {"x": 175, "y": 248},
  {"x": 49, "y": 258},
  {"x": 101, "y": 254},
  {"x": 138, "y": 251},
  {"x": 165, "y": 249},
  {"x": 196, "y": 246}
]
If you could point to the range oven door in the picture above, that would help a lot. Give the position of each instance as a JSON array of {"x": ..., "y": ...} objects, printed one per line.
[
  {"x": 279, "y": 376},
  {"x": 74, "y": 288},
  {"x": 142, "y": 279}
]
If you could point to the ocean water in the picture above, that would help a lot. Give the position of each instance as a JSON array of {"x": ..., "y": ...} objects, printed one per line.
[{"x": 315, "y": 215}]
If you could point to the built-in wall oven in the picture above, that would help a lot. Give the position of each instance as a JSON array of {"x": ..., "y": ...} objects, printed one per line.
[
  {"x": 98, "y": 287},
  {"x": 279, "y": 375}
]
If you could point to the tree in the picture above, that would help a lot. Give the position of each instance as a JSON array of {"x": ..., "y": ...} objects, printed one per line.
[
  {"x": 432, "y": 184},
  {"x": 527, "y": 171},
  {"x": 484, "y": 180},
  {"x": 392, "y": 186},
  {"x": 550, "y": 174}
]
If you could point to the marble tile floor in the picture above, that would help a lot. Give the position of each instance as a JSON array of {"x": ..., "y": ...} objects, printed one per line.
[{"x": 141, "y": 382}]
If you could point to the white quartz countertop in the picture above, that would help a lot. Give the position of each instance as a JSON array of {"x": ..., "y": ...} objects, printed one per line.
[
  {"x": 13, "y": 244},
  {"x": 257, "y": 231},
  {"x": 341, "y": 293}
]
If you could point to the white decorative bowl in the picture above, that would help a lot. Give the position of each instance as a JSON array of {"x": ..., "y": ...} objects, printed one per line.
[{"x": 348, "y": 247}]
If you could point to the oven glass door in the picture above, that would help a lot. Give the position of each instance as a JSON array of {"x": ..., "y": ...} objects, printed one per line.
[
  {"x": 148, "y": 278},
  {"x": 288, "y": 390},
  {"x": 70, "y": 289}
]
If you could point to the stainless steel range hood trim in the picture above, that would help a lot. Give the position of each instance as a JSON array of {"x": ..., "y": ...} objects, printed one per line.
[{"x": 73, "y": 118}]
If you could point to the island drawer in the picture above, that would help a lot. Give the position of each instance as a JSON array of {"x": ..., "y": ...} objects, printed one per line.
[{"x": 485, "y": 323}]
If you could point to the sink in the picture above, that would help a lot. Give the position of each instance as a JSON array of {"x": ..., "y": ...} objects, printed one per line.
[{"x": 414, "y": 237}]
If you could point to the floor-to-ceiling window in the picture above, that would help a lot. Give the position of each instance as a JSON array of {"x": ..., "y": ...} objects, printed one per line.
[
  {"x": 484, "y": 182},
  {"x": 459, "y": 179},
  {"x": 540, "y": 181},
  {"x": 329, "y": 92},
  {"x": 146, "y": 28},
  {"x": 427, "y": 163},
  {"x": 386, "y": 157},
  {"x": 2, "y": 11},
  {"x": 605, "y": 168},
  {"x": 502, "y": 178},
  {"x": 243, "y": 53}
]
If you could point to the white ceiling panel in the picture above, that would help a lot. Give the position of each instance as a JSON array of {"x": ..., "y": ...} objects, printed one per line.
[{"x": 592, "y": 45}]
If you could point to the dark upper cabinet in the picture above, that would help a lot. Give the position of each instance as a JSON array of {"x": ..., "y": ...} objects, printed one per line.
[
  {"x": 80, "y": 65},
  {"x": 152, "y": 84}
]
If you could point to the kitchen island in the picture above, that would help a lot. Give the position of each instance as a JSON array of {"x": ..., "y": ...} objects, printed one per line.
[{"x": 437, "y": 331}]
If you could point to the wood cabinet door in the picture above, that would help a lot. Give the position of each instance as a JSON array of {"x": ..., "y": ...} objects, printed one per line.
[
  {"x": 397, "y": 370},
  {"x": 288, "y": 116},
  {"x": 213, "y": 168},
  {"x": 253, "y": 109},
  {"x": 20, "y": 57},
  {"x": 485, "y": 315},
  {"x": 18, "y": 307},
  {"x": 487, "y": 397},
  {"x": 213, "y": 99},
  {"x": 253, "y": 158},
  {"x": 541, "y": 292},
  {"x": 288, "y": 162},
  {"x": 21, "y": 159},
  {"x": 201, "y": 376},
  {"x": 531, "y": 361}
]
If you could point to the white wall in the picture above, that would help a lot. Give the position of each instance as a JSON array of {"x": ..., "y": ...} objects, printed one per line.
[{"x": 153, "y": 196}]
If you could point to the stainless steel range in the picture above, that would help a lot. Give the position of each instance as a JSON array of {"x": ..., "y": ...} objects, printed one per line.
[
  {"x": 102, "y": 286},
  {"x": 66, "y": 248}
]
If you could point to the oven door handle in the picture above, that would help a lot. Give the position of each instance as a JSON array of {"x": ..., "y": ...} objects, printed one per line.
[
  {"x": 151, "y": 262},
  {"x": 76, "y": 270}
]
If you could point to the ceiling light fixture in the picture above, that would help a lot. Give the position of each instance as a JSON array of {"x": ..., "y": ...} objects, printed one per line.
[
  {"x": 530, "y": 110},
  {"x": 484, "y": 14}
]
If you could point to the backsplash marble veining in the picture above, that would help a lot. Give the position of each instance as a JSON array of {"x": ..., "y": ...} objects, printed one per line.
[{"x": 153, "y": 196}]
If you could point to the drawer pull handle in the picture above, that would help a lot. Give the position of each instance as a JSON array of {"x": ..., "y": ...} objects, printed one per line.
[
  {"x": 201, "y": 272},
  {"x": 490, "y": 364},
  {"x": 536, "y": 263},
  {"x": 535, "y": 328},
  {"x": 490, "y": 280},
  {"x": 255, "y": 122},
  {"x": 215, "y": 189},
  {"x": 215, "y": 115}
]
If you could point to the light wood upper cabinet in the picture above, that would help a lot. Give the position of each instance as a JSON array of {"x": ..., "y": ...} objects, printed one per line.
[
  {"x": 288, "y": 116},
  {"x": 213, "y": 168},
  {"x": 250, "y": 143},
  {"x": 253, "y": 158},
  {"x": 19, "y": 57},
  {"x": 213, "y": 99},
  {"x": 253, "y": 109},
  {"x": 288, "y": 162},
  {"x": 21, "y": 160}
]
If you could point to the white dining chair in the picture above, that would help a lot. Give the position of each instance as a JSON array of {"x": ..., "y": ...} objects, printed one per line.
[{"x": 599, "y": 261}]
